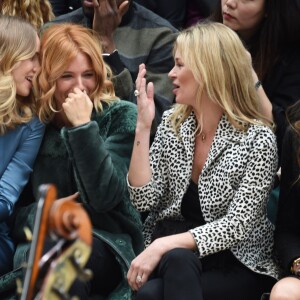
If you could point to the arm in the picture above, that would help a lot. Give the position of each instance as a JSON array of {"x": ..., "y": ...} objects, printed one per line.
[
  {"x": 107, "y": 17},
  {"x": 265, "y": 104},
  {"x": 17, "y": 172},
  {"x": 287, "y": 233},
  {"x": 139, "y": 171}
]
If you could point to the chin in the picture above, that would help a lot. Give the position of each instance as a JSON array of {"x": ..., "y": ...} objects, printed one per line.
[{"x": 23, "y": 93}]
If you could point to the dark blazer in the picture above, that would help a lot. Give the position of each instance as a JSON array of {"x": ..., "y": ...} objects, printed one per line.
[
  {"x": 287, "y": 233},
  {"x": 282, "y": 86}
]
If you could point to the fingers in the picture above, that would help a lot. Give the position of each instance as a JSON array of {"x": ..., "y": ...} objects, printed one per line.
[
  {"x": 140, "y": 76},
  {"x": 123, "y": 8},
  {"x": 136, "y": 279},
  {"x": 76, "y": 91},
  {"x": 150, "y": 90},
  {"x": 96, "y": 3}
]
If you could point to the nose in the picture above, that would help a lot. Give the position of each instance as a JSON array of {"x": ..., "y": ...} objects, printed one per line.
[
  {"x": 172, "y": 73},
  {"x": 79, "y": 83},
  {"x": 231, "y": 3},
  {"x": 36, "y": 66}
]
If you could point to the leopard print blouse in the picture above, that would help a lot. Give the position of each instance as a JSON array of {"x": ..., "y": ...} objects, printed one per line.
[{"x": 234, "y": 188}]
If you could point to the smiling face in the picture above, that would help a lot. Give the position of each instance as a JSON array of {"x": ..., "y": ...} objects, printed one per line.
[
  {"x": 24, "y": 72},
  {"x": 185, "y": 84},
  {"x": 79, "y": 74},
  {"x": 243, "y": 16}
]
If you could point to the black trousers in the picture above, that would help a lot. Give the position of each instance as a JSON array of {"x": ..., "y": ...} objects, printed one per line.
[
  {"x": 180, "y": 275},
  {"x": 106, "y": 273}
]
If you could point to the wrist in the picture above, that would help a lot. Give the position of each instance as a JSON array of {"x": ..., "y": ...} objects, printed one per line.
[
  {"x": 80, "y": 123},
  {"x": 108, "y": 45}
]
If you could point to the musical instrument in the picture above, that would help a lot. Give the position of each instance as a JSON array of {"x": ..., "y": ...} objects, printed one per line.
[{"x": 50, "y": 275}]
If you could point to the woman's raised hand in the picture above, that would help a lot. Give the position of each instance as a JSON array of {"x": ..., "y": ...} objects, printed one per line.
[
  {"x": 145, "y": 100},
  {"x": 78, "y": 107}
]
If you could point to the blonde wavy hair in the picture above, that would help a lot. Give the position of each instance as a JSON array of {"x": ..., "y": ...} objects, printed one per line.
[
  {"x": 17, "y": 43},
  {"x": 60, "y": 44},
  {"x": 37, "y": 12},
  {"x": 222, "y": 67}
]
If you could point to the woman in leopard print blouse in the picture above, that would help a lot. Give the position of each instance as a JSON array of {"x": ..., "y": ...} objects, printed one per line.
[{"x": 207, "y": 178}]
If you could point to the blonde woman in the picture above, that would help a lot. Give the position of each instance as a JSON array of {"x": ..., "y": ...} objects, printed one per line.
[
  {"x": 20, "y": 131},
  {"x": 37, "y": 12},
  {"x": 206, "y": 180}
]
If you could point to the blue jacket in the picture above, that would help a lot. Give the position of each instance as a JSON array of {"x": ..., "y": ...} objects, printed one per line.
[{"x": 18, "y": 149}]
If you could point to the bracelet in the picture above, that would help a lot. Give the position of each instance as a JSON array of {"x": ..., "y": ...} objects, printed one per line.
[{"x": 257, "y": 84}]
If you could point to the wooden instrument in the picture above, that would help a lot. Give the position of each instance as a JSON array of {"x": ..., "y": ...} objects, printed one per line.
[{"x": 50, "y": 275}]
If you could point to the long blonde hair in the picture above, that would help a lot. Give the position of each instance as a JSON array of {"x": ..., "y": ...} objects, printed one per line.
[
  {"x": 221, "y": 66},
  {"x": 37, "y": 12},
  {"x": 17, "y": 43},
  {"x": 60, "y": 44}
]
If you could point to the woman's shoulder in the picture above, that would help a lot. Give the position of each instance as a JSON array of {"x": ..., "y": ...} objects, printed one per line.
[
  {"x": 35, "y": 124},
  {"x": 262, "y": 135}
]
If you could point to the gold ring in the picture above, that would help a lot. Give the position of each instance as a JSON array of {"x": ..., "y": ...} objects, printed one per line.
[{"x": 136, "y": 93}]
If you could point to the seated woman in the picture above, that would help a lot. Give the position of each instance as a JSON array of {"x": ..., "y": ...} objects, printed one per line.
[
  {"x": 269, "y": 29},
  {"x": 207, "y": 178},
  {"x": 20, "y": 130},
  {"x": 86, "y": 148},
  {"x": 287, "y": 234}
]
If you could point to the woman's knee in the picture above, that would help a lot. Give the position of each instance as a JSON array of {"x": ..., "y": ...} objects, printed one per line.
[
  {"x": 286, "y": 289},
  {"x": 151, "y": 290},
  {"x": 181, "y": 257}
]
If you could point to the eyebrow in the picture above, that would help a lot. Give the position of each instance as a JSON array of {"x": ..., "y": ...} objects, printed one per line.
[
  {"x": 89, "y": 70},
  {"x": 177, "y": 59}
]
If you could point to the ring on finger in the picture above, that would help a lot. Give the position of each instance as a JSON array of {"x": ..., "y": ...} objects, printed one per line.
[
  {"x": 139, "y": 279},
  {"x": 136, "y": 93}
]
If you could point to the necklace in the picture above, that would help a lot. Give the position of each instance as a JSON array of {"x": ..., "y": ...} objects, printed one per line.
[{"x": 203, "y": 137}]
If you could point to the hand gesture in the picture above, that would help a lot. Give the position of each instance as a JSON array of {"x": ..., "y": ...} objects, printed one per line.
[
  {"x": 78, "y": 107},
  {"x": 145, "y": 100},
  {"x": 107, "y": 17},
  {"x": 143, "y": 265}
]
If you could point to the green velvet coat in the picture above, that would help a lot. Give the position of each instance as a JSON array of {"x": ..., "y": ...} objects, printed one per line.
[{"x": 93, "y": 159}]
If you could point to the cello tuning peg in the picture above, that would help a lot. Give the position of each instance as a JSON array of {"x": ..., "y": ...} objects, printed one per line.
[{"x": 85, "y": 274}]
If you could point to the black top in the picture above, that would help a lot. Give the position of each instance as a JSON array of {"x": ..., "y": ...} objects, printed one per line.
[
  {"x": 190, "y": 206},
  {"x": 191, "y": 210}
]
